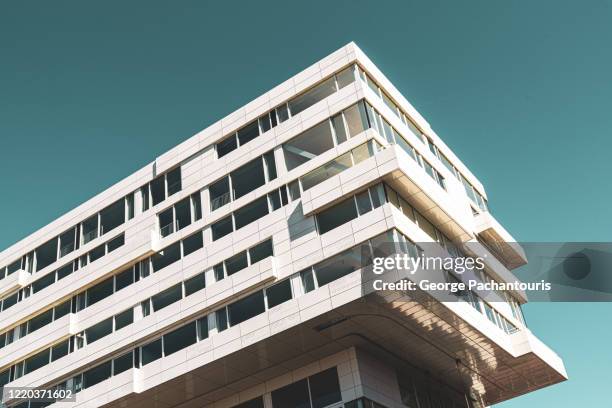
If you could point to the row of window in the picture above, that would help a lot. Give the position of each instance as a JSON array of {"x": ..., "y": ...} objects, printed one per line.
[
  {"x": 52, "y": 277},
  {"x": 180, "y": 215},
  {"x": 243, "y": 180},
  {"x": 283, "y": 112},
  {"x": 471, "y": 192},
  {"x": 96, "y": 225},
  {"x": 425, "y": 393}
]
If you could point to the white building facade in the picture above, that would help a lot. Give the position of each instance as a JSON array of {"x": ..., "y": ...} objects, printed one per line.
[{"x": 230, "y": 271}]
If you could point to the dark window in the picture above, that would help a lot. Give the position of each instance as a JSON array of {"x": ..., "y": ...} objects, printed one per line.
[
  {"x": 246, "y": 308},
  {"x": 59, "y": 350},
  {"x": 203, "y": 328},
  {"x": 167, "y": 297},
  {"x": 182, "y": 211},
  {"x": 338, "y": 266},
  {"x": 226, "y": 146},
  {"x": 43, "y": 282},
  {"x": 174, "y": 181},
  {"x": 292, "y": 396},
  {"x": 116, "y": 242},
  {"x": 325, "y": 388},
  {"x": 254, "y": 403},
  {"x": 270, "y": 165},
  {"x": 96, "y": 375},
  {"x": 251, "y": 212},
  {"x": 124, "y": 279},
  {"x": 275, "y": 200},
  {"x": 9, "y": 301},
  {"x": 46, "y": 254},
  {"x": 337, "y": 215},
  {"x": 67, "y": 241},
  {"x": 221, "y": 316},
  {"x": 261, "y": 251},
  {"x": 222, "y": 227},
  {"x": 167, "y": 256},
  {"x": 123, "y": 363},
  {"x": 144, "y": 190},
  {"x": 192, "y": 243},
  {"x": 40, "y": 321},
  {"x": 264, "y": 123},
  {"x": 248, "y": 133},
  {"x": 180, "y": 338},
  {"x": 166, "y": 222},
  {"x": 97, "y": 253},
  {"x": 37, "y": 360},
  {"x": 112, "y": 216},
  {"x": 158, "y": 190},
  {"x": 151, "y": 352},
  {"x": 218, "y": 271},
  {"x": 236, "y": 263},
  {"x": 101, "y": 291},
  {"x": 279, "y": 293},
  {"x": 363, "y": 202},
  {"x": 65, "y": 271},
  {"x": 283, "y": 113},
  {"x": 62, "y": 309},
  {"x": 248, "y": 177},
  {"x": 308, "y": 145},
  {"x": 97, "y": 331},
  {"x": 124, "y": 319},
  {"x": 312, "y": 96},
  {"x": 219, "y": 193},
  {"x": 192, "y": 285},
  {"x": 197, "y": 206}
]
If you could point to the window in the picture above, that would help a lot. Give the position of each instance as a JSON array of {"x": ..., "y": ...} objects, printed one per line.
[
  {"x": 66, "y": 270},
  {"x": 308, "y": 145},
  {"x": 314, "y": 95},
  {"x": 308, "y": 280},
  {"x": 222, "y": 227},
  {"x": 97, "y": 253},
  {"x": 180, "y": 338},
  {"x": 97, "y": 374},
  {"x": 123, "y": 363},
  {"x": 46, "y": 254},
  {"x": 254, "y": 403},
  {"x": 339, "y": 265},
  {"x": 174, "y": 181},
  {"x": 203, "y": 328},
  {"x": 182, "y": 212},
  {"x": 124, "y": 319},
  {"x": 158, "y": 190},
  {"x": 325, "y": 388},
  {"x": 221, "y": 318},
  {"x": 40, "y": 321},
  {"x": 246, "y": 308},
  {"x": 194, "y": 284},
  {"x": 248, "y": 133},
  {"x": 115, "y": 243},
  {"x": 67, "y": 241},
  {"x": 219, "y": 193},
  {"x": 100, "y": 291},
  {"x": 292, "y": 396},
  {"x": 192, "y": 243},
  {"x": 279, "y": 293},
  {"x": 37, "y": 361},
  {"x": 112, "y": 216},
  {"x": 124, "y": 279},
  {"x": 167, "y": 297},
  {"x": 61, "y": 310},
  {"x": 270, "y": 163},
  {"x": 337, "y": 215},
  {"x": 326, "y": 171},
  {"x": 167, "y": 256},
  {"x": 59, "y": 350},
  {"x": 261, "y": 251},
  {"x": 346, "y": 76},
  {"x": 226, "y": 146},
  {"x": 356, "y": 119},
  {"x": 97, "y": 331},
  {"x": 236, "y": 263},
  {"x": 151, "y": 352},
  {"x": 43, "y": 282},
  {"x": 251, "y": 212},
  {"x": 248, "y": 177}
]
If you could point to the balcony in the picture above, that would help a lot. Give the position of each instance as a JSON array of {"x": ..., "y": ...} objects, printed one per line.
[{"x": 499, "y": 241}]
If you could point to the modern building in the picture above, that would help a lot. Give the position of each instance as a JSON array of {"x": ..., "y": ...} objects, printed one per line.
[{"x": 230, "y": 271}]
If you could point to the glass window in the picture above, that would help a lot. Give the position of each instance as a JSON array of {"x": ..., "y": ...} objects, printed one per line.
[
  {"x": 115, "y": 243},
  {"x": 282, "y": 113},
  {"x": 112, "y": 216},
  {"x": 194, "y": 284},
  {"x": 65, "y": 270},
  {"x": 192, "y": 243},
  {"x": 325, "y": 388},
  {"x": 264, "y": 123},
  {"x": 363, "y": 202},
  {"x": 294, "y": 190},
  {"x": 174, "y": 181},
  {"x": 246, "y": 308},
  {"x": 197, "y": 205},
  {"x": 9, "y": 301},
  {"x": 248, "y": 177},
  {"x": 221, "y": 317},
  {"x": 337, "y": 215},
  {"x": 203, "y": 328},
  {"x": 339, "y": 129},
  {"x": 144, "y": 193},
  {"x": 270, "y": 165},
  {"x": 90, "y": 228},
  {"x": 314, "y": 95},
  {"x": 378, "y": 195},
  {"x": 251, "y": 212},
  {"x": 360, "y": 153},
  {"x": 182, "y": 213},
  {"x": 61, "y": 310},
  {"x": 236, "y": 263},
  {"x": 387, "y": 100},
  {"x": 123, "y": 363},
  {"x": 59, "y": 350},
  {"x": 151, "y": 352},
  {"x": 275, "y": 200},
  {"x": 167, "y": 256},
  {"x": 308, "y": 280},
  {"x": 219, "y": 193},
  {"x": 124, "y": 318},
  {"x": 167, "y": 297},
  {"x": 67, "y": 242},
  {"x": 37, "y": 361},
  {"x": 346, "y": 76},
  {"x": 46, "y": 254},
  {"x": 356, "y": 119},
  {"x": 158, "y": 190},
  {"x": 124, "y": 279},
  {"x": 261, "y": 251},
  {"x": 97, "y": 374},
  {"x": 40, "y": 321},
  {"x": 254, "y": 403},
  {"x": 279, "y": 293},
  {"x": 308, "y": 144},
  {"x": 100, "y": 291},
  {"x": 326, "y": 171},
  {"x": 43, "y": 282},
  {"x": 218, "y": 272},
  {"x": 226, "y": 146},
  {"x": 248, "y": 133},
  {"x": 180, "y": 338},
  {"x": 97, "y": 331},
  {"x": 338, "y": 266},
  {"x": 405, "y": 146},
  {"x": 97, "y": 253},
  {"x": 292, "y": 396}
]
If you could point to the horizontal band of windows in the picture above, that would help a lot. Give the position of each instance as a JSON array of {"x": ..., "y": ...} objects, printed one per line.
[
  {"x": 180, "y": 215},
  {"x": 97, "y": 225},
  {"x": 55, "y": 276},
  {"x": 285, "y": 111}
]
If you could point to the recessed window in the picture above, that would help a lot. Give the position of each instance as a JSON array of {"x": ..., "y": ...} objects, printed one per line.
[
  {"x": 194, "y": 284},
  {"x": 279, "y": 293},
  {"x": 337, "y": 215},
  {"x": 97, "y": 331},
  {"x": 158, "y": 190},
  {"x": 43, "y": 282},
  {"x": 308, "y": 145},
  {"x": 62, "y": 309},
  {"x": 192, "y": 243},
  {"x": 292, "y": 396},
  {"x": 90, "y": 228},
  {"x": 248, "y": 133},
  {"x": 356, "y": 119},
  {"x": 112, "y": 216},
  {"x": 339, "y": 265},
  {"x": 65, "y": 270},
  {"x": 219, "y": 192},
  {"x": 312, "y": 96},
  {"x": 123, "y": 363},
  {"x": 151, "y": 352},
  {"x": 248, "y": 177},
  {"x": 167, "y": 256},
  {"x": 167, "y": 297},
  {"x": 37, "y": 361},
  {"x": 251, "y": 212},
  {"x": 173, "y": 179},
  {"x": 115, "y": 243},
  {"x": 226, "y": 146},
  {"x": 124, "y": 279},
  {"x": 46, "y": 254},
  {"x": 346, "y": 76},
  {"x": 59, "y": 350},
  {"x": 124, "y": 319},
  {"x": 97, "y": 253},
  {"x": 246, "y": 308},
  {"x": 261, "y": 251},
  {"x": 40, "y": 321},
  {"x": 100, "y": 291},
  {"x": 236, "y": 263},
  {"x": 222, "y": 227},
  {"x": 325, "y": 388},
  {"x": 97, "y": 374},
  {"x": 180, "y": 338}
]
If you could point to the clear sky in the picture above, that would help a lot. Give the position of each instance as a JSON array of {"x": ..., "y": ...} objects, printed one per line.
[{"x": 521, "y": 91}]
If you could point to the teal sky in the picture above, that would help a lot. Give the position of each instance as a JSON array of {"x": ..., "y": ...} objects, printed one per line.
[{"x": 521, "y": 91}]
